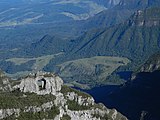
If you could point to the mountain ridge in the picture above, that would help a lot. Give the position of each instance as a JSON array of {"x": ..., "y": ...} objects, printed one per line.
[
  {"x": 118, "y": 32},
  {"x": 43, "y": 96}
]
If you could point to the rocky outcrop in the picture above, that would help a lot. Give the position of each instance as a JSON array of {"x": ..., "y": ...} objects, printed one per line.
[
  {"x": 92, "y": 114},
  {"x": 5, "y": 86},
  {"x": 152, "y": 64},
  {"x": 149, "y": 17},
  {"x": 79, "y": 99},
  {"x": 67, "y": 102},
  {"x": 4, "y": 113},
  {"x": 4, "y": 83},
  {"x": 43, "y": 107},
  {"x": 41, "y": 84}
]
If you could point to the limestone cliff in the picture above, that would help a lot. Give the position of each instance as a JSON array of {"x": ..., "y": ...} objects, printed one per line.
[
  {"x": 41, "y": 84},
  {"x": 43, "y": 96},
  {"x": 4, "y": 83},
  {"x": 152, "y": 64},
  {"x": 148, "y": 17}
]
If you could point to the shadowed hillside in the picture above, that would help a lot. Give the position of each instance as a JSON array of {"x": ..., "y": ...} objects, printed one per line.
[{"x": 140, "y": 97}]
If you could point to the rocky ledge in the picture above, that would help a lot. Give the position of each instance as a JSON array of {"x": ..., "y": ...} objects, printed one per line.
[{"x": 44, "y": 96}]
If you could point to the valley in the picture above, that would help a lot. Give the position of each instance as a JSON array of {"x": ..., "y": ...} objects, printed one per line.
[
  {"x": 78, "y": 64},
  {"x": 107, "y": 48},
  {"x": 135, "y": 38},
  {"x": 82, "y": 73},
  {"x": 139, "y": 97},
  {"x": 38, "y": 65},
  {"x": 91, "y": 71},
  {"x": 51, "y": 16}
]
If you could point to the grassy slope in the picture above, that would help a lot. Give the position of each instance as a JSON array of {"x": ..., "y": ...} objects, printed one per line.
[
  {"x": 40, "y": 62},
  {"x": 94, "y": 70},
  {"x": 20, "y": 66}
]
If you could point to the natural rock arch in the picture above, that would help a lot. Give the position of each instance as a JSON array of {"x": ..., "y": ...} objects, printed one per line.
[{"x": 42, "y": 84}]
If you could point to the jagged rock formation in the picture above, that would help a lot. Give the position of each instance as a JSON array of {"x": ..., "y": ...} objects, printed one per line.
[
  {"x": 55, "y": 101},
  {"x": 152, "y": 64},
  {"x": 4, "y": 83},
  {"x": 148, "y": 17},
  {"x": 41, "y": 84},
  {"x": 4, "y": 113}
]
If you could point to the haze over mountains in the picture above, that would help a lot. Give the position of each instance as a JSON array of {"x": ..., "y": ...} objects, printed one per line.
[
  {"x": 63, "y": 18},
  {"x": 23, "y": 16},
  {"x": 19, "y": 18},
  {"x": 129, "y": 39},
  {"x": 89, "y": 43},
  {"x": 132, "y": 36}
]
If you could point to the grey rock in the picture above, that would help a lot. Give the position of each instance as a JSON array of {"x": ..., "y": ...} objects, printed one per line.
[
  {"x": 86, "y": 101},
  {"x": 41, "y": 84},
  {"x": 47, "y": 83},
  {"x": 8, "y": 112}
]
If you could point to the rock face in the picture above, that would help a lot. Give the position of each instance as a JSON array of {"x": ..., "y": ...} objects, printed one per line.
[
  {"x": 149, "y": 17},
  {"x": 53, "y": 100},
  {"x": 79, "y": 99},
  {"x": 41, "y": 84},
  {"x": 152, "y": 64},
  {"x": 4, "y": 83},
  {"x": 4, "y": 113},
  {"x": 113, "y": 2}
]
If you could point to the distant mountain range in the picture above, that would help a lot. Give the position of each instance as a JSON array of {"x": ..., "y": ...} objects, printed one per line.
[
  {"x": 26, "y": 21},
  {"x": 22, "y": 12},
  {"x": 134, "y": 37},
  {"x": 66, "y": 18},
  {"x": 88, "y": 43}
]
